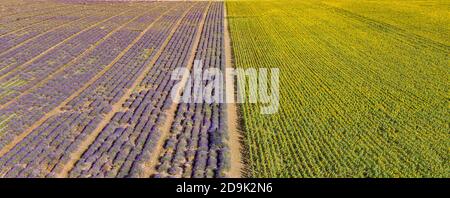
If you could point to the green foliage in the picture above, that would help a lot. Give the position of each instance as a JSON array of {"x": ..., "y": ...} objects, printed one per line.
[{"x": 363, "y": 86}]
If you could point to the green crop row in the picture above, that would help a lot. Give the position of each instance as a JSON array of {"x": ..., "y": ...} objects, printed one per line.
[{"x": 362, "y": 95}]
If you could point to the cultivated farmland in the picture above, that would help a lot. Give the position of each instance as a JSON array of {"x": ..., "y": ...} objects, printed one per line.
[
  {"x": 86, "y": 92},
  {"x": 364, "y": 87},
  {"x": 85, "y": 89}
]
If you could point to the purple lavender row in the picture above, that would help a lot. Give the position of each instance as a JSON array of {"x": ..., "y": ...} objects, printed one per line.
[
  {"x": 197, "y": 145},
  {"x": 18, "y": 8},
  {"x": 62, "y": 134},
  {"x": 57, "y": 58},
  {"x": 135, "y": 131},
  {"x": 11, "y": 40},
  {"x": 24, "y": 163},
  {"x": 31, "y": 107},
  {"x": 110, "y": 87},
  {"x": 128, "y": 140},
  {"x": 26, "y": 52},
  {"x": 36, "y": 13},
  {"x": 80, "y": 130},
  {"x": 11, "y": 23},
  {"x": 60, "y": 18}
]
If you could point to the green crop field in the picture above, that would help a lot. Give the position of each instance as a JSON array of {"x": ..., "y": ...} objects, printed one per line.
[{"x": 363, "y": 86}]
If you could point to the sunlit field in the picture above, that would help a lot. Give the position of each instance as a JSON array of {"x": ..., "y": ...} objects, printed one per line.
[
  {"x": 364, "y": 87},
  {"x": 88, "y": 88}
]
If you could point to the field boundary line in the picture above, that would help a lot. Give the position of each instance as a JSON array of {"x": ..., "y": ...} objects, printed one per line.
[
  {"x": 150, "y": 165},
  {"x": 89, "y": 139},
  {"x": 73, "y": 61},
  {"x": 60, "y": 43},
  {"x": 56, "y": 110},
  {"x": 235, "y": 135}
]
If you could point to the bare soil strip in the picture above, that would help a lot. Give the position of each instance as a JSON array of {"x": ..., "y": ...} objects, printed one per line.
[
  {"x": 76, "y": 155},
  {"x": 60, "y": 43},
  {"x": 57, "y": 109},
  {"x": 50, "y": 76},
  {"x": 235, "y": 136},
  {"x": 150, "y": 166}
]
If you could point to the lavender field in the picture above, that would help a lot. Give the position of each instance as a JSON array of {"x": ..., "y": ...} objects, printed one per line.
[{"x": 85, "y": 90}]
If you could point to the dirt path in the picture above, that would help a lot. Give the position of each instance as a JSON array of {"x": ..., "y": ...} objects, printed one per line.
[
  {"x": 150, "y": 166},
  {"x": 50, "y": 76},
  {"x": 235, "y": 136},
  {"x": 76, "y": 155},
  {"x": 57, "y": 110},
  {"x": 59, "y": 44}
]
